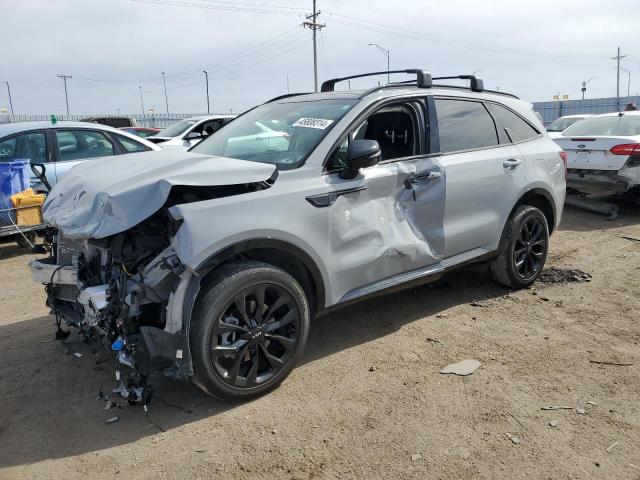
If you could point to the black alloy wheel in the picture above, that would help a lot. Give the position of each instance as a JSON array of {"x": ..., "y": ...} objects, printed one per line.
[
  {"x": 530, "y": 248},
  {"x": 255, "y": 335}
]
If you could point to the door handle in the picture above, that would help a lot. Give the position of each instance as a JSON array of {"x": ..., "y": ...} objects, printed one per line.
[
  {"x": 421, "y": 177},
  {"x": 511, "y": 163}
]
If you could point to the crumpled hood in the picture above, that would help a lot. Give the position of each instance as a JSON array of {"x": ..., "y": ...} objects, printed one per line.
[{"x": 99, "y": 198}]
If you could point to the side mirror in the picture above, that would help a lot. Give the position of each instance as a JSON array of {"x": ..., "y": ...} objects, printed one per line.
[
  {"x": 193, "y": 136},
  {"x": 361, "y": 154}
]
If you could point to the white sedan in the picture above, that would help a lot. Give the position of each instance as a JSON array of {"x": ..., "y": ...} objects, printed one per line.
[
  {"x": 188, "y": 132},
  {"x": 603, "y": 154},
  {"x": 556, "y": 127}
]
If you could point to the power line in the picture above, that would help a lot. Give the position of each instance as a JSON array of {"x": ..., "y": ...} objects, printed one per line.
[
  {"x": 229, "y": 8},
  {"x": 398, "y": 31}
]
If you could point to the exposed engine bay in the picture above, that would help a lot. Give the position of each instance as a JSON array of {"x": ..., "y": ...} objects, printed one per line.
[{"x": 126, "y": 292}]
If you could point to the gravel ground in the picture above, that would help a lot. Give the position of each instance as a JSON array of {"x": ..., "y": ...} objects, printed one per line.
[{"x": 366, "y": 401}]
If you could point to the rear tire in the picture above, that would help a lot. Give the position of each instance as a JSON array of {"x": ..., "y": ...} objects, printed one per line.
[
  {"x": 249, "y": 327},
  {"x": 523, "y": 248}
]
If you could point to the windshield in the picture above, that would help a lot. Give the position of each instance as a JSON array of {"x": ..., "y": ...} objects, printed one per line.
[
  {"x": 610, "y": 125},
  {"x": 559, "y": 124},
  {"x": 176, "y": 129},
  {"x": 283, "y": 134}
]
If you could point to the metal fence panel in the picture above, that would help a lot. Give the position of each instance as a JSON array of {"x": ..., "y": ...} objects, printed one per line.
[
  {"x": 554, "y": 109},
  {"x": 154, "y": 120}
]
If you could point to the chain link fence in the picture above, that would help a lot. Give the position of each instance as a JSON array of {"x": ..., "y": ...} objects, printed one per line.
[{"x": 153, "y": 120}]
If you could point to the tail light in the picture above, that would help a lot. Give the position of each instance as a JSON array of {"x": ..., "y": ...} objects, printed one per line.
[
  {"x": 563, "y": 156},
  {"x": 626, "y": 149}
]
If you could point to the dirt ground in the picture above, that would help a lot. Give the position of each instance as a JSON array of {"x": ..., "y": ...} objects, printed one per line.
[{"x": 336, "y": 416}]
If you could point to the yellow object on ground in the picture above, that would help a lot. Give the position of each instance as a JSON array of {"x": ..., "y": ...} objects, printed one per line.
[{"x": 28, "y": 205}]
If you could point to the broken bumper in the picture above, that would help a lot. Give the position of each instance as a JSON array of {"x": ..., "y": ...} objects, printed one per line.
[
  {"x": 146, "y": 348},
  {"x": 598, "y": 182}
]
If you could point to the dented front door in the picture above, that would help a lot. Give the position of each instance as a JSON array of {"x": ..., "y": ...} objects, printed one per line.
[{"x": 385, "y": 224}]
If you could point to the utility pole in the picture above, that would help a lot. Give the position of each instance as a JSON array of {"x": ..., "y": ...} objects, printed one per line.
[
  {"x": 314, "y": 26},
  {"x": 11, "y": 102},
  {"x": 141, "y": 101},
  {"x": 206, "y": 79},
  {"x": 166, "y": 99},
  {"x": 618, "y": 58},
  {"x": 385, "y": 52},
  {"x": 66, "y": 96},
  {"x": 288, "y": 84}
]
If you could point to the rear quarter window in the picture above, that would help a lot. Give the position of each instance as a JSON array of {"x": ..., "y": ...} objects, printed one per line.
[{"x": 510, "y": 125}]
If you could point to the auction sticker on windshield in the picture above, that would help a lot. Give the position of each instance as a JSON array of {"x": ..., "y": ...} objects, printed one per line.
[{"x": 319, "y": 123}]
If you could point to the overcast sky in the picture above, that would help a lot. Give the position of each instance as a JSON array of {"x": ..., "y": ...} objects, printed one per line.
[{"x": 534, "y": 49}]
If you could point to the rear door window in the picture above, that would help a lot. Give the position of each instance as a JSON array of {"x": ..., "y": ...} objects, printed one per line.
[
  {"x": 464, "y": 125},
  {"x": 82, "y": 144},
  {"x": 129, "y": 145},
  {"x": 510, "y": 125},
  {"x": 27, "y": 146}
]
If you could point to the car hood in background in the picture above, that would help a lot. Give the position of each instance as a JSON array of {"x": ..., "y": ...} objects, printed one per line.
[{"x": 99, "y": 198}]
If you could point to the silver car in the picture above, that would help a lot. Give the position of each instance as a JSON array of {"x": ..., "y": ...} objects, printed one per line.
[
  {"x": 208, "y": 265},
  {"x": 62, "y": 145}
]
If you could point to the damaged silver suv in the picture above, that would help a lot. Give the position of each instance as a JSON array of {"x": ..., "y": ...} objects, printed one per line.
[{"x": 210, "y": 263}]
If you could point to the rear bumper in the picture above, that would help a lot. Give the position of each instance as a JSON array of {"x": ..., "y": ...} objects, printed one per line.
[{"x": 599, "y": 182}]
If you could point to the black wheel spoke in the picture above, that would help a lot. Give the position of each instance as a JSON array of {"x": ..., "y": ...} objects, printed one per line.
[
  {"x": 286, "y": 319},
  {"x": 252, "y": 374},
  {"x": 237, "y": 362},
  {"x": 226, "y": 327},
  {"x": 529, "y": 248},
  {"x": 287, "y": 343},
  {"x": 241, "y": 303},
  {"x": 229, "y": 349},
  {"x": 280, "y": 301},
  {"x": 275, "y": 362},
  {"x": 259, "y": 295}
]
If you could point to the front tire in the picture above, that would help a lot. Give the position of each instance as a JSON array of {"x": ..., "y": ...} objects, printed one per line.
[
  {"x": 249, "y": 327},
  {"x": 523, "y": 248}
]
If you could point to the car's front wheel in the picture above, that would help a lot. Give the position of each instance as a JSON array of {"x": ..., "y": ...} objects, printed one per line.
[
  {"x": 523, "y": 248},
  {"x": 249, "y": 327}
]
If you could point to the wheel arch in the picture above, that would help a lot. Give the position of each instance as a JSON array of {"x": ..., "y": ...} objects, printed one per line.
[
  {"x": 541, "y": 199},
  {"x": 280, "y": 253}
]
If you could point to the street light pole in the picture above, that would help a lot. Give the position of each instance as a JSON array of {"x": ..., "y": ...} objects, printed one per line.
[
  {"x": 206, "y": 78},
  {"x": 141, "y": 101},
  {"x": 11, "y": 102},
  {"x": 166, "y": 99},
  {"x": 628, "y": 72},
  {"x": 66, "y": 96},
  {"x": 385, "y": 52}
]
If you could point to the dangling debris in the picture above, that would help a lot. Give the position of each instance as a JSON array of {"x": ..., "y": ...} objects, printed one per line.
[{"x": 463, "y": 368}]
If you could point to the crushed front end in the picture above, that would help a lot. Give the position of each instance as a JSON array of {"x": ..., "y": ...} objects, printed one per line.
[{"x": 124, "y": 293}]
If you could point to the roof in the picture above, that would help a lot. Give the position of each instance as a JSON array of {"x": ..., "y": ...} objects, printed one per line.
[
  {"x": 209, "y": 117},
  {"x": 615, "y": 114},
  {"x": 580, "y": 115},
  {"x": 10, "y": 128},
  {"x": 398, "y": 90}
]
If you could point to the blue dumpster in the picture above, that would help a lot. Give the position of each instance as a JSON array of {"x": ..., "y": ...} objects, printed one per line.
[{"x": 14, "y": 178}]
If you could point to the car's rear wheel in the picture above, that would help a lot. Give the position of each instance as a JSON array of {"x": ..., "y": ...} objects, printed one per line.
[
  {"x": 523, "y": 248},
  {"x": 249, "y": 327}
]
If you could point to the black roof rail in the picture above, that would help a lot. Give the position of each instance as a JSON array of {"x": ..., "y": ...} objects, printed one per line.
[
  {"x": 286, "y": 95},
  {"x": 423, "y": 78},
  {"x": 477, "y": 85}
]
